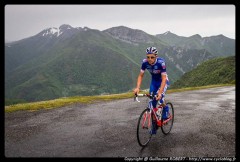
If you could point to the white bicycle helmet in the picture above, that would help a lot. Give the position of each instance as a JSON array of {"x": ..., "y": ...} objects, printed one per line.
[{"x": 151, "y": 50}]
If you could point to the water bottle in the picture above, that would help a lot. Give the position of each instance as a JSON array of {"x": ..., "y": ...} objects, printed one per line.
[{"x": 159, "y": 113}]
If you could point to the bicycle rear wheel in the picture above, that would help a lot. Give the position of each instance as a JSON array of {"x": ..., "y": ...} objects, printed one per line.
[
  {"x": 167, "y": 124},
  {"x": 144, "y": 128}
]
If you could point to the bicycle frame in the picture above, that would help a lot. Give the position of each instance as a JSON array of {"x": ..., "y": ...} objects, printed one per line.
[
  {"x": 151, "y": 111},
  {"x": 146, "y": 127}
]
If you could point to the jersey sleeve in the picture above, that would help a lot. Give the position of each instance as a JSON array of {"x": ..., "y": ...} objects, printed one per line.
[
  {"x": 143, "y": 68},
  {"x": 164, "y": 71},
  {"x": 163, "y": 66}
]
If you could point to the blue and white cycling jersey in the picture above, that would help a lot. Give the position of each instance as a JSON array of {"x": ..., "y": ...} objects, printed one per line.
[{"x": 156, "y": 70}]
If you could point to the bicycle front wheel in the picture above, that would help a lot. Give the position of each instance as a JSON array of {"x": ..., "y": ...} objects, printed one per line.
[
  {"x": 167, "y": 124},
  {"x": 144, "y": 128}
]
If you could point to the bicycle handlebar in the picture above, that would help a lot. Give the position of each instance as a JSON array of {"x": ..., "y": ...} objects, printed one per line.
[
  {"x": 136, "y": 97},
  {"x": 141, "y": 95}
]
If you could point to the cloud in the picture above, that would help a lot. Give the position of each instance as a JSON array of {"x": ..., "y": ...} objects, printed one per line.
[{"x": 22, "y": 21}]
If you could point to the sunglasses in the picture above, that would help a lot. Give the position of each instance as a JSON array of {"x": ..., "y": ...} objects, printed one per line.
[{"x": 152, "y": 57}]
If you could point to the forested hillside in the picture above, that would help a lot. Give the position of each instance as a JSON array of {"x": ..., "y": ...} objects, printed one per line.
[{"x": 216, "y": 71}]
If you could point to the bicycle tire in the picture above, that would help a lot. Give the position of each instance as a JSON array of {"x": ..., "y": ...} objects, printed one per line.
[
  {"x": 143, "y": 133},
  {"x": 166, "y": 128}
]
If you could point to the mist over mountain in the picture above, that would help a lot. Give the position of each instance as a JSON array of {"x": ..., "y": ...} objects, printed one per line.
[{"x": 67, "y": 61}]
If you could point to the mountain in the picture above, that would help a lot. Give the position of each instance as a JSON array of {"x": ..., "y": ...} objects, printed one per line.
[
  {"x": 67, "y": 61},
  {"x": 133, "y": 36},
  {"x": 219, "y": 70},
  {"x": 217, "y": 45},
  {"x": 170, "y": 38},
  {"x": 50, "y": 65},
  {"x": 178, "y": 59}
]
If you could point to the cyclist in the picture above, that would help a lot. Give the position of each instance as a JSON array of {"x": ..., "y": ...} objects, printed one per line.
[{"x": 159, "y": 82}]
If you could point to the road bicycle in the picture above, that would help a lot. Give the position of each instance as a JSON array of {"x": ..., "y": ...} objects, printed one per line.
[{"x": 145, "y": 122}]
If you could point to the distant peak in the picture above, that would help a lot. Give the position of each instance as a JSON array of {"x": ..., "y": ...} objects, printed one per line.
[
  {"x": 51, "y": 31},
  {"x": 86, "y": 28},
  {"x": 221, "y": 35},
  {"x": 120, "y": 27},
  {"x": 167, "y": 32},
  {"x": 123, "y": 28},
  {"x": 196, "y": 35},
  {"x": 65, "y": 27},
  {"x": 129, "y": 35}
]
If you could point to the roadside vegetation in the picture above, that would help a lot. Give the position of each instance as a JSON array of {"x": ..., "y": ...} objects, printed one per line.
[
  {"x": 220, "y": 70},
  {"x": 212, "y": 73},
  {"x": 56, "y": 103}
]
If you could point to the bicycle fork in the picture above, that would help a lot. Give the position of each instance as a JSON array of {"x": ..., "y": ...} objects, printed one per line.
[{"x": 147, "y": 118}]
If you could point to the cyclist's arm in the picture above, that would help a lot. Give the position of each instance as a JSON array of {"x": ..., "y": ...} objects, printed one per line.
[
  {"x": 140, "y": 77},
  {"x": 164, "y": 80},
  {"x": 139, "y": 82}
]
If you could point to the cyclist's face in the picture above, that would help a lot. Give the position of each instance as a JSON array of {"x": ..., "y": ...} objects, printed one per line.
[{"x": 151, "y": 58}]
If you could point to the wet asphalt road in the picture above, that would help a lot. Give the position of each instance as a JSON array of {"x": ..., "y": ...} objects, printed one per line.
[{"x": 204, "y": 126}]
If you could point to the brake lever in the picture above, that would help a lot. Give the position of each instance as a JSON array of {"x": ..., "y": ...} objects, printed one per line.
[{"x": 136, "y": 98}]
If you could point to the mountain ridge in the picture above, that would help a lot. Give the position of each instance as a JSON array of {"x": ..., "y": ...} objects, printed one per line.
[
  {"x": 84, "y": 61},
  {"x": 219, "y": 70}
]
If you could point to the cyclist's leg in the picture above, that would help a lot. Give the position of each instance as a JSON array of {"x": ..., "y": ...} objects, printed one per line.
[
  {"x": 162, "y": 101},
  {"x": 153, "y": 90}
]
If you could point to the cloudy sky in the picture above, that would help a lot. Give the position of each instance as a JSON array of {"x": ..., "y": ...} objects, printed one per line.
[{"x": 22, "y": 21}]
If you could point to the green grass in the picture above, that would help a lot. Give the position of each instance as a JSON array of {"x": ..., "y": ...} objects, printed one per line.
[
  {"x": 220, "y": 70},
  {"x": 50, "y": 104},
  {"x": 197, "y": 88}
]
